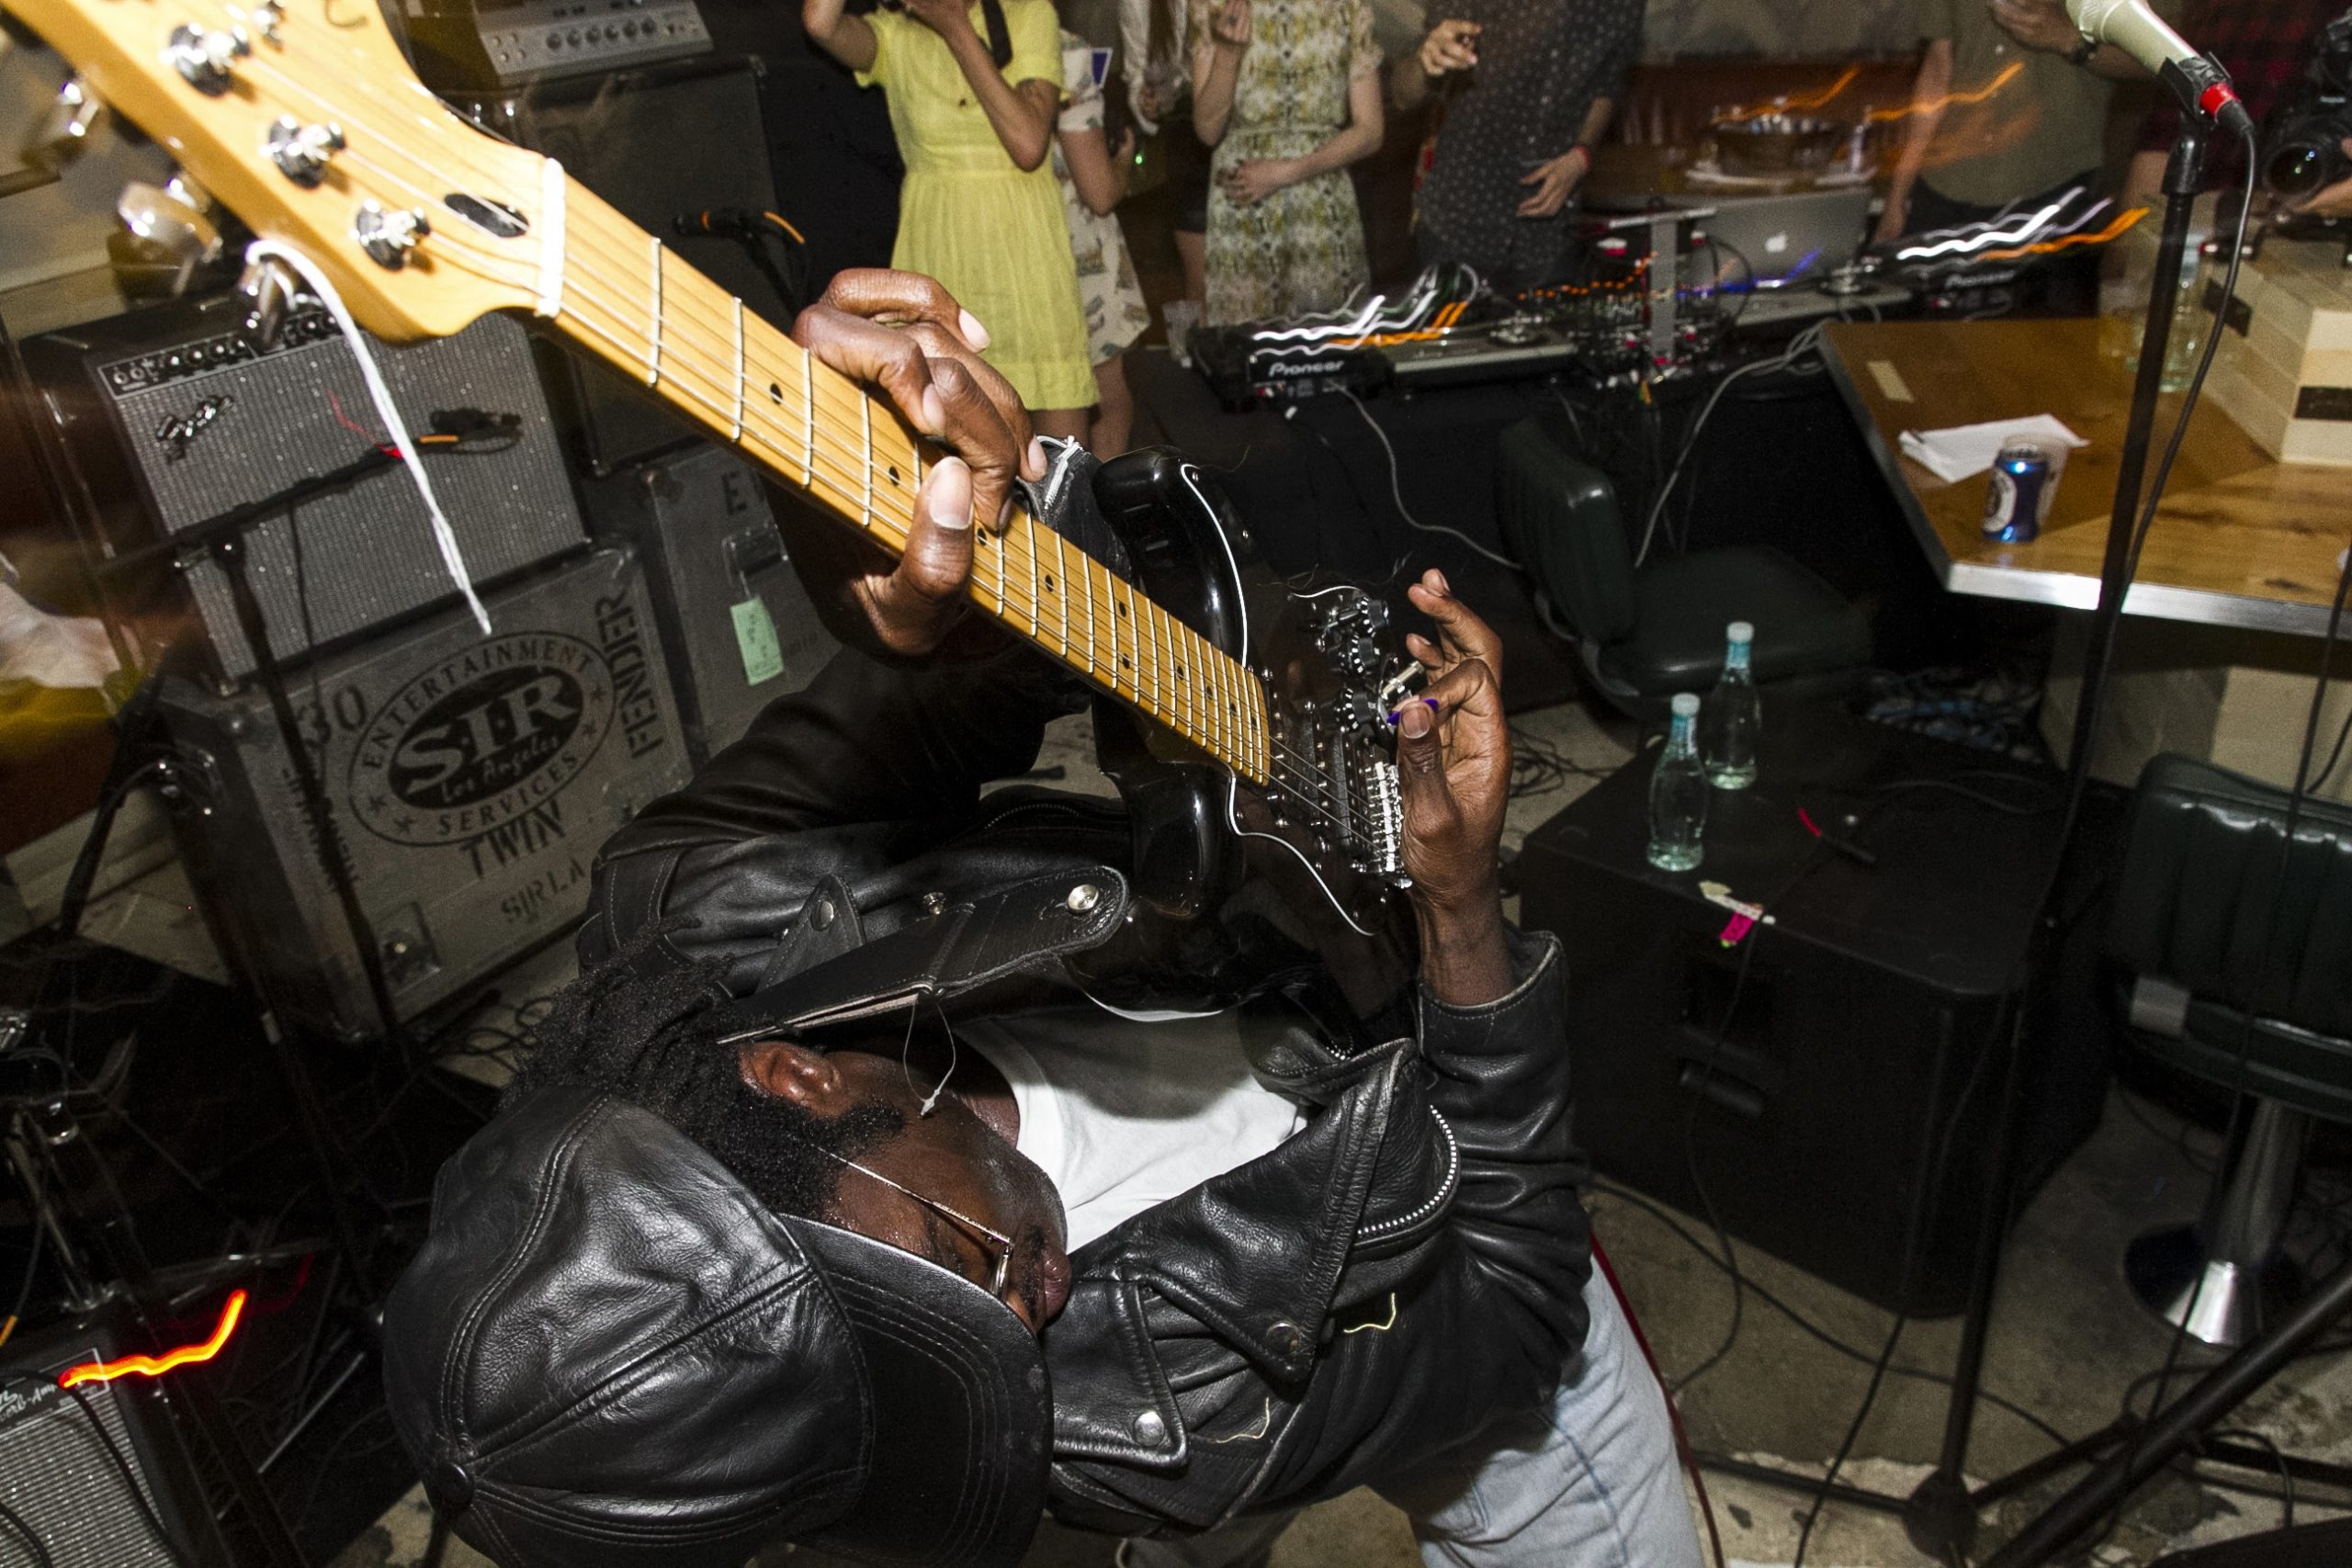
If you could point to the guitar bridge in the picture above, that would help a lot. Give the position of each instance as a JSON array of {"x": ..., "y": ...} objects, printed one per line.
[{"x": 1383, "y": 829}]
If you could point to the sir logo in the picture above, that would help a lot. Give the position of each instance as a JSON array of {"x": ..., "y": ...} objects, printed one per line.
[{"x": 482, "y": 739}]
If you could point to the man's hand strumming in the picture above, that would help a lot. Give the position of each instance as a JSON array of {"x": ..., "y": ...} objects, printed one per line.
[{"x": 1453, "y": 763}]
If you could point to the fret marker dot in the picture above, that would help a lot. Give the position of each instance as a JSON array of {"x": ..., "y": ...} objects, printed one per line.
[
  {"x": 1123, "y": 608},
  {"x": 1049, "y": 582},
  {"x": 894, "y": 473},
  {"x": 776, "y": 394}
]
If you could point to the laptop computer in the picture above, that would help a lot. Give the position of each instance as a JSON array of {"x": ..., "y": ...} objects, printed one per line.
[{"x": 1795, "y": 239}]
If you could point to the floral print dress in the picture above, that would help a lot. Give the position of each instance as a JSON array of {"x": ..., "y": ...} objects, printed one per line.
[
  {"x": 1116, "y": 313},
  {"x": 1300, "y": 250}
]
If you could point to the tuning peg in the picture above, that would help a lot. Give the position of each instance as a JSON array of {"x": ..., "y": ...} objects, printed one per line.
[
  {"x": 389, "y": 235},
  {"x": 65, "y": 128},
  {"x": 301, "y": 151},
  {"x": 171, "y": 218},
  {"x": 207, "y": 57},
  {"x": 269, "y": 290}
]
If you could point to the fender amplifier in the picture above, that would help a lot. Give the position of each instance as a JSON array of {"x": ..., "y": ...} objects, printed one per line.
[
  {"x": 739, "y": 628},
  {"x": 471, "y": 780},
  {"x": 172, "y": 416},
  {"x": 59, "y": 1470}
]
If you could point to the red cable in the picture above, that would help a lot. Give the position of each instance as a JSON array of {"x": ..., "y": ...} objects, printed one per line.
[{"x": 1681, "y": 1438}]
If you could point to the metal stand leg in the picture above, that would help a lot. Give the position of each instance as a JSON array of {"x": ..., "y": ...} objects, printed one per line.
[{"x": 2178, "y": 1428}]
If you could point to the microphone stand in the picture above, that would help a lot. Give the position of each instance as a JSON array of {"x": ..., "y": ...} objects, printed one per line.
[{"x": 1940, "y": 1517}]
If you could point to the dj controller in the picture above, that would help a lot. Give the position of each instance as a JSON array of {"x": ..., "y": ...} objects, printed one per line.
[{"x": 1449, "y": 327}]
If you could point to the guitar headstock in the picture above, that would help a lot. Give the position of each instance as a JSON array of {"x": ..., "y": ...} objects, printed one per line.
[{"x": 303, "y": 118}]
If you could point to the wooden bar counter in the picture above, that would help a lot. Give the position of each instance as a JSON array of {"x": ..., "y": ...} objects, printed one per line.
[{"x": 2241, "y": 540}]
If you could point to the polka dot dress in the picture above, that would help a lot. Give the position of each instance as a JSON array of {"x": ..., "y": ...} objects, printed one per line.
[{"x": 1541, "y": 65}]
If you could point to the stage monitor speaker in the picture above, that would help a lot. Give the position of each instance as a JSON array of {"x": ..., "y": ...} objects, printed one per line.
[
  {"x": 172, "y": 416},
  {"x": 1833, "y": 1074},
  {"x": 659, "y": 145},
  {"x": 470, "y": 780},
  {"x": 60, "y": 1477},
  {"x": 736, "y": 624}
]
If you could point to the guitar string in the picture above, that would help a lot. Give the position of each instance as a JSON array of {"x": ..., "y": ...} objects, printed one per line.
[{"x": 1172, "y": 630}]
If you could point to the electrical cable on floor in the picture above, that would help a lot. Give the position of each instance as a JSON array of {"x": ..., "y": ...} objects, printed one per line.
[
  {"x": 1396, "y": 491},
  {"x": 1847, "y": 1348},
  {"x": 1853, "y": 1430},
  {"x": 2286, "y": 1475}
]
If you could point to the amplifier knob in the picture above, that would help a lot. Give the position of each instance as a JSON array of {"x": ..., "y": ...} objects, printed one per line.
[
  {"x": 387, "y": 237},
  {"x": 301, "y": 151},
  {"x": 206, "y": 56}
]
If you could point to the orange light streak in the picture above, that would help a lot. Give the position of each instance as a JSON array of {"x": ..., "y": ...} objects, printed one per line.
[
  {"x": 156, "y": 1366},
  {"x": 1937, "y": 106},
  {"x": 1812, "y": 100},
  {"x": 2066, "y": 242}
]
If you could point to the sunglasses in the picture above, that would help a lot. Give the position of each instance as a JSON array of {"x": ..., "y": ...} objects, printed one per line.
[{"x": 1001, "y": 1242}]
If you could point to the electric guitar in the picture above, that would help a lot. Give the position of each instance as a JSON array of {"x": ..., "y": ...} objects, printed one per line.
[{"x": 1245, "y": 724}]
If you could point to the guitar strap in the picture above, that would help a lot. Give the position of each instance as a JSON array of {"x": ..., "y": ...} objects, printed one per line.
[{"x": 1025, "y": 928}]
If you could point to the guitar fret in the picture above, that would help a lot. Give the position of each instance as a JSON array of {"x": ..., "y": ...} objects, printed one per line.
[
  {"x": 1154, "y": 617},
  {"x": 653, "y": 332},
  {"x": 1061, "y": 567},
  {"x": 866, "y": 418},
  {"x": 1000, "y": 544},
  {"x": 1093, "y": 659},
  {"x": 808, "y": 419},
  {"x": 739, "y": 372},
  {"x": 1029, "y": 539}
]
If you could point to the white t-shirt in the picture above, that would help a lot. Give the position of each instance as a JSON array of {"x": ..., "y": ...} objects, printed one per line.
[{"x": 1125, "y": 1114}]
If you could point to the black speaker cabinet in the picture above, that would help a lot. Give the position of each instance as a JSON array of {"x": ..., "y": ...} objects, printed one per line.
[
  {"x": 735, "y": 620},
  {"x": 1815, "y": 1074},
  {"x": 172, "y": 415},
  {"x": 471, "y": 780},
  {"x": 58, "y": 1468}
]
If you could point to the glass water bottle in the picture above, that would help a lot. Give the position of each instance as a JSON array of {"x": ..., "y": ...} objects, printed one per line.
[
  {"x": 1734, "y": 714},
  {"x": 1678, "y": 794}
]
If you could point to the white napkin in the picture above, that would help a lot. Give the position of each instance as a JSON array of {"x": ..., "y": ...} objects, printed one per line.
[{"x": 1966, "y": 449}]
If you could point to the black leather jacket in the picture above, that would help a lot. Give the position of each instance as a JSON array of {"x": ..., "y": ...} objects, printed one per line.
[{"x": 1402, "y": 1272}]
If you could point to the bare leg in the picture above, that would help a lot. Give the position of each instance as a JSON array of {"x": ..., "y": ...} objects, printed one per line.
[
  {"x": 1114, "y": 419},
  {"x": 1193, "y": 250},
  {"x": 1068, "y": 423}
]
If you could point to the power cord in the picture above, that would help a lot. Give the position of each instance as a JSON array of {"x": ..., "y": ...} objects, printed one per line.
[
  {"x": 1805, "y": 344},
  {"x": 1396, "y": 491}
]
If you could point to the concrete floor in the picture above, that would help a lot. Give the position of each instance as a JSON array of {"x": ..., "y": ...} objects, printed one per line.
[{"x": 2068, "y": 1340}]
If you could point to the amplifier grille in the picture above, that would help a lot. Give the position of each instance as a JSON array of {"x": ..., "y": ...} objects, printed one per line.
[{"x": 210, "y": 423}]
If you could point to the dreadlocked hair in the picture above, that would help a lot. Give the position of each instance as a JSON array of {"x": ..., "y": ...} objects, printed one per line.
[{"x": 639, "y": 1026}]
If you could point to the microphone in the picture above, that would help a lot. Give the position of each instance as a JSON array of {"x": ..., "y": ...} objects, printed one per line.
[{"x": 2200, "y": 84}]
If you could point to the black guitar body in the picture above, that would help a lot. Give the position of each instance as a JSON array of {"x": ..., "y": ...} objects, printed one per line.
[{"x": 1241, "y": 889}]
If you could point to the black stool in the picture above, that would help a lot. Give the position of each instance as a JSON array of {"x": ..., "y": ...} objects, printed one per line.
[
  {"x": 2200, "y": 884},
  {"x": 1644, "y": 634}
]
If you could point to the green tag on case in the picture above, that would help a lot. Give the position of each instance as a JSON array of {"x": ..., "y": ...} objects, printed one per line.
[{"x": 755, "y": 639}]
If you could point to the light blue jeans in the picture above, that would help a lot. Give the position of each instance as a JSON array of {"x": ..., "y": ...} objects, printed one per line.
[{"x": 1591, "y": 1483}]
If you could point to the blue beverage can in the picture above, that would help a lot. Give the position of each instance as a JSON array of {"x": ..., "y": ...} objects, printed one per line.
[{"x": 2024, "y": 483}]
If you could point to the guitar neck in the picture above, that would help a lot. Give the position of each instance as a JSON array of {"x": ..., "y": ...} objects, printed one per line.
[{"x": 625, "y": 299}]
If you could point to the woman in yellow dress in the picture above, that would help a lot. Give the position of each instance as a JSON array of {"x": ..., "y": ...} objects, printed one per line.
[{"x": 974, "y": 94}]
